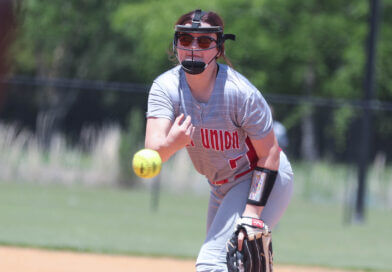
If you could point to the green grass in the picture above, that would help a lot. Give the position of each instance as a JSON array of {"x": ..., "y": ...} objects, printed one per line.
[
  {"x": 118, "y": 221},
  {"x": 100, "y": 220},
  {"x": 315, "y": 234}
]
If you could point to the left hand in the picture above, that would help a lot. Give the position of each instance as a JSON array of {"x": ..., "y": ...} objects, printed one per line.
[{"x": 255, "y": 236}]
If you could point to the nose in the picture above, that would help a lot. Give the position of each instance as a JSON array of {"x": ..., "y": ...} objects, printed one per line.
[{"x": 194, "y": 43}]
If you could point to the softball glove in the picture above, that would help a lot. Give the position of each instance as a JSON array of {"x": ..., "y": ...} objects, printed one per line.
[{"x": 256, "y": 253}]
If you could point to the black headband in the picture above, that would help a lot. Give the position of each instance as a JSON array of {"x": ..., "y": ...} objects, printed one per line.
[
  {"x": 197, "y": 28},
  {"x": 196, "y": 21},
  {"x": 203, "y": 29},
  {"x": 196, "y": 25}
]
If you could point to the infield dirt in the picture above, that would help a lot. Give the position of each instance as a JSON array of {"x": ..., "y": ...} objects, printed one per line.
[{"x": 13, "y": 259}]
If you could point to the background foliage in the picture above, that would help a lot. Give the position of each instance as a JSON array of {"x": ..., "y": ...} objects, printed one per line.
[
  {"x": 61, "y": 122},
  {"x": 312, "y": 48}
]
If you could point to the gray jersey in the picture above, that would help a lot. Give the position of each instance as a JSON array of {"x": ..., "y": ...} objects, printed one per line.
[
  {"x": 221, "y": 150},
  {"x": 235, "y": 113}
]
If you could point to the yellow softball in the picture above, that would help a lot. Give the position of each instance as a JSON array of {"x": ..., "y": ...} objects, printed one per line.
[{"x": 146, "y": 163}]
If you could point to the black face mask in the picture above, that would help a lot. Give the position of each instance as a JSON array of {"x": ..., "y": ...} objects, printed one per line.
[{"x": 193, "y": 67}]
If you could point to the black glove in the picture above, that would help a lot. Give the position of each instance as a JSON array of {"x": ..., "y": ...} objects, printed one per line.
[{"x": 256, "y": 253}]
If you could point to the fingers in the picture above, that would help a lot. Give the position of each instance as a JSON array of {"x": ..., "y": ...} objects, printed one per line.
[
  {"x": 179, "y": 119},
  {"x": 186, "y": 125},
  {"x": 183, "y": 123},
  {"x": 241, "y": 237},
  {"x": 192, "y": 131},
  {"x": 187, "y": 122}
]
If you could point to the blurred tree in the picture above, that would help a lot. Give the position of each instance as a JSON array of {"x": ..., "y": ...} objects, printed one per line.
[
  {"x": 132, "y": 140},
  {"x": 8, "y": 24},
  {"x": 313, "y": 48},
  {"x": 71, "y": 39},
  {"x": 303, "y": 48}
]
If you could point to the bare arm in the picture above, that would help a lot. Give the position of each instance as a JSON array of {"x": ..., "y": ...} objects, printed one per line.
[
  {"x": 168, "y": 137},
  {"x": 267, "y": 150}
]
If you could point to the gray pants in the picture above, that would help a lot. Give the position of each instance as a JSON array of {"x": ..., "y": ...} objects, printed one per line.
[{"x": 227, "y": 203}]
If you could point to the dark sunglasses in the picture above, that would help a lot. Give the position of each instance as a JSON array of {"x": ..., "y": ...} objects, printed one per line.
[{"x": 203, "y": 42}]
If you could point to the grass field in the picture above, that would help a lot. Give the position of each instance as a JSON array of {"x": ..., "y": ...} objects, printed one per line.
[{"x": 122, "y": 222}]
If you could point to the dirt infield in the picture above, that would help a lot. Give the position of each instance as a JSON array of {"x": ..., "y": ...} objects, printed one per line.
[{"x": 36, "y": 260}]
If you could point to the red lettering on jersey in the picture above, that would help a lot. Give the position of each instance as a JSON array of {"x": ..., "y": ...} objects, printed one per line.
[
  {"x": 251, "y": 157},
  {"x": 227, "y": 140},
  {"x": 235, "y": 140},
  {"x": 214, "y": 139},
  {"x": 221, "y": 139},
  {"x": 204, "y": 138}
]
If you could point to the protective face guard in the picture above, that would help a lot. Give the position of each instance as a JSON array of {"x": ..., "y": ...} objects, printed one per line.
[{"x": 193, "y": 66}]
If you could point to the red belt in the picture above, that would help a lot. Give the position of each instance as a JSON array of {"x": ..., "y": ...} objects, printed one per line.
[{"x": 223, "y": 181}]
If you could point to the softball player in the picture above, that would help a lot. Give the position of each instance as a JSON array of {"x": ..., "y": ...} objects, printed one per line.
[{"x": 226, "y": 126}]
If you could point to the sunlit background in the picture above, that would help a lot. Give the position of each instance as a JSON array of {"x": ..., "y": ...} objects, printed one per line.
[{"x": 74, "y": 82}]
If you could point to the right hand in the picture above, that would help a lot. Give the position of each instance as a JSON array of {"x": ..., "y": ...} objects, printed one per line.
[{"x": 181, "y": 132}]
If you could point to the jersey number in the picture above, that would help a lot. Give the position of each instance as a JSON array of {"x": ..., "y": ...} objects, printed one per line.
[{"x": 250, "y": 156}]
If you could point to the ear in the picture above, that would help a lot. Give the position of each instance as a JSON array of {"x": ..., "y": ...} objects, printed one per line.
[{"x": 221, "y": 51}]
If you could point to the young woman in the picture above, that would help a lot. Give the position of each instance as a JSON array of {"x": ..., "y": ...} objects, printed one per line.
[{"x": 226, "y": 126}]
